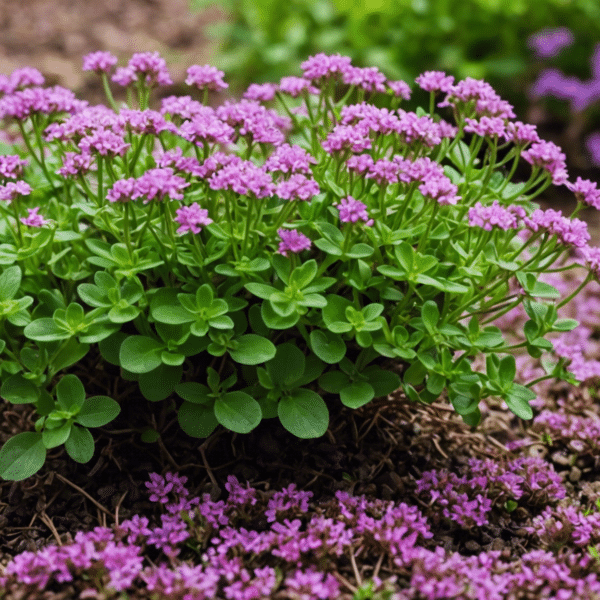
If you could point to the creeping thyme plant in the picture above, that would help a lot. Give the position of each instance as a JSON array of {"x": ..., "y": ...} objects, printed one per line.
[{"x": 298, "y": 248}]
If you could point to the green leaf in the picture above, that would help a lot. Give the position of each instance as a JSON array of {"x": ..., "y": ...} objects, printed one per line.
[
  {"x": 159, "y": 384},
  {"x": 275, "y": 321},
  {"x": 238, "y": 412},
  {"x": 197, "y": 420},
  {"x": 18, "y": 390},
  {"x": 69, "y": 354},
  {"x": 80, "y": 444},
  {"x": 565, "y": 325},
  {"x": 109, "y": 347},
  {"x": 45, "y": 330},
  {"x": 252, "y": 349},
  {"x": 507, "y": 370},
  {"x": 194, "y": 392},
  {"x": 383, "y": 382},
  {"x": 519, "y": 406},
  {"x": 304, "y": 414},
  {"x": 287, "y": 366},
  {"x": 359, "y": 251},
  {"x": 328, "y": 247},
  {"x": 165, "y": 308},
  {"x": 333, "y": 381},
  {"x": 98, "y": 411},
  {"x": 301, "y": 276},
  {"x": 261, "y": 290},
  {"x": 430, "y": 315},
  {"x": 10, "y": 282},
  {"x": 22, "y": 456},
  {"x": 328, "y": 346},
  {"x": 53, "y": 438},
  {"x": 357, "y": 394},
  {"x": 70, "y": 393},
  {"x": 140, "y": 354}
]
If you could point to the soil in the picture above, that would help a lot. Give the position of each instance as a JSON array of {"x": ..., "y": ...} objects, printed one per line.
[{"x": 378, "y": 450}]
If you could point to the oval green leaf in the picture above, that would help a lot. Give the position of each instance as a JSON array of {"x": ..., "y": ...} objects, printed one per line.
[
  {"x": 304, "y": 414},
  {"x": 238, "y": 412},
  {"x": 197, "y": 420},
  {"x": 98, "y": 411},
  {"x": 22, "y": 456},
  {"x": 253, "y": 349},
  {"x": 80, "y": 444}
]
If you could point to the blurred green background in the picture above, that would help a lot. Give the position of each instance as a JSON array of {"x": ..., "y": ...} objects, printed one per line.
[{"x": 264, "y": 40}]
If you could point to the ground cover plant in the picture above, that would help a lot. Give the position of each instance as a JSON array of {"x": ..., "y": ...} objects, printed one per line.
[
  {"x": 262, "y": 274},
  {"x": 344, "y": 302}
]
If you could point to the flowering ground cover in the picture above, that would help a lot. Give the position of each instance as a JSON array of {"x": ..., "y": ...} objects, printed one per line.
[{"x": 395, "y": 497}]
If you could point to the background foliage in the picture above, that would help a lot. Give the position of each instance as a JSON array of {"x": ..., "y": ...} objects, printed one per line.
[{"x": 266, "y": 39}]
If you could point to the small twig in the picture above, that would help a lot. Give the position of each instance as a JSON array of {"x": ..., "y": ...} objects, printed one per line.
[
  {"x": 355, "y": 569},
  {"x": 343, "y": 580},
  {"x": 50, "y": 525},
  {"x": 437, "y": 445},
  {"x": 81, "y": 491},
  {"x": 378, "y": 565},
  {"x": 206, "y": 466},
  {"x": 119, "y": 506}
]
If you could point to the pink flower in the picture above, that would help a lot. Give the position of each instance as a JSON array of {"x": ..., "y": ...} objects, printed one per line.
[
  {"x": 99, "y": 62},
  {"x": 290, "y": 159},
  {"x": 585, "y": 191},
  {"x": 321, "y": 65},
  {"x": 104, "y": 142},
  {"x": 147, "y": 65},
  {"x": 400, "y": 89},
  {"x": 14, "y": 189},
  {"x": 370, "y": 78},
  {"x": 294, "y": 86},
  {"x": 550, "y": 157},
  {"x": 206, "y": 77},
  {"x": 261, "y": 92},
  {"x": 191, "y": 217},
  {"x": 11, "y": 166},
  {"x": 435, "y": 81},
  {"x": 292, "y": 241},
  {"x": 352, "y": 210},
  {"x": 75, "y": 164},
  {"x": 33, "y": 219},
  {"x": 297, "y": 187},
  {"x": 549, "y": 42},
  {"x": 495, "y": 215},
  {"x": 486, "y": 126}
]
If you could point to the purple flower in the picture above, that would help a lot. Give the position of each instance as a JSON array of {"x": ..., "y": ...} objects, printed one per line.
[
  {"x": 312, "y": 585},
  {"x": 238, "y": 494},
  {"x": 144, "y": 122},
  {"x": 14, "y": 189},
  {"x": 204, "y": 128},
  {"x": 520, "y": 133},
  {"x": 99, "y": 62},
  {"x": 369, "y": 78},
  {"x": 592, "y": 143},
  {"x": 292, "y": 241},
  {"x": 159, "y": 488},
  {"x": 439, "y": 187},
  {"x": 414, "y": 128},
  {"x": 435, "y": 81},
  {"x": 322, "y": 65},
  {"x": 549, "y": 42},
  {"x": 160, "y": 184},
  {"x": 206, "y": 77},
  {"x": 174, "y": 158},
  {"x": 347, "y": 137},
  {"x": 11, "y": 166},
  {"x": 352, "y": 210},
  {"x": 290, "y": 159},
  {"x": 122, "y": 190},
  {"x": 571, "y": 232},
  {"x": 75, "y": 163},
  {"x": 585, "y": 191},
  {"x": 298, "y": 187},
  {"x": 294, "y": 86},
  {"x": 83, "y": 123},
  {"x": 104, "y": 142},
  {"x": 261, "y": 92},
  {"x": 146, "y": 65},
  {"x": 359, "y": 163},
  {"x": 184, "y": 107},
  {"x": 495, "y": 215},
  {"x": 191, "y": 217},
  {"x": 36, "y": 100},
  {"x": 20, "y": 79},
  {"x": 400, "y": 88},
  {"x": 487, "y": 101},
  {"x": 486, "y": 126},
  {"x": 550, "y": 157},
  {"x": 243, "y": 177},
  {"x": 33, "y": 219}
]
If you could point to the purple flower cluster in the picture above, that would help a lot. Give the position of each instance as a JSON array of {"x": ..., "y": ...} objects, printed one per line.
[
  {"x": 254, "y": 121},
  {"x": 243, "y": 177},
  {"x": 21, "y": 104},
  {"x": 11, "y": 166},
  {"x": 483, "y": 97},
  {"x": 13, "y": 190},
  {"x": 99, "y": 62},
  {"x": 571, "y": 232},
  {"x": 150, "y": 67},
  {"x": 495, "y": 215},
  {"x": 352, "y": 210},
  {"x": 206, "y": 77},
  {"x": 153, "y": 184},
  {"x": 20, "y": 79},
  {"x": 549, "y": 42},
  {"x": 292, "y": 241},
  {"x": 550, "y": 157},
  {"x": 469, "y": 498}
]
